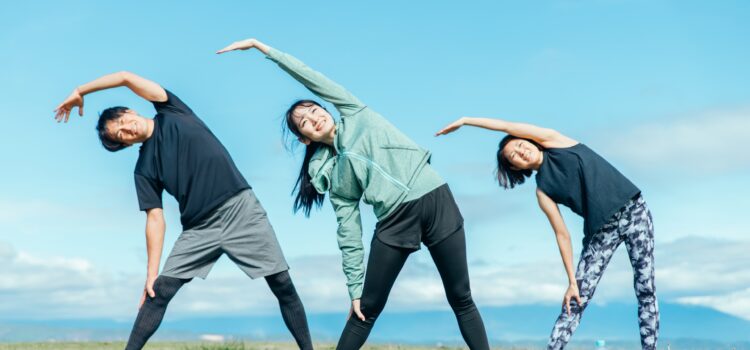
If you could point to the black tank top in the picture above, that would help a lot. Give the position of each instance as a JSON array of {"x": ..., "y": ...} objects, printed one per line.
[{"x": 583, "y": 181}]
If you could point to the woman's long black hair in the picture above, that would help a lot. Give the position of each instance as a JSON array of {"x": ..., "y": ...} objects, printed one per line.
[
  {"x": 507, "y": 176},
  {"x": 306, "y": 196}
]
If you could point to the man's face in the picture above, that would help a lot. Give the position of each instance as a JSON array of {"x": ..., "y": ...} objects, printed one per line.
[{"x": 129, "y": 128}]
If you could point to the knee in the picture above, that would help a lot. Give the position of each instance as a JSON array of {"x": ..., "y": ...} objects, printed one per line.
[
  {"x": 165, "y": 289},
  {"x": 282, "y": 286},
  {"x": 371, "y": 308},
  {"x": 644, "y": 289},
  {"x": 460, "y": 300}
]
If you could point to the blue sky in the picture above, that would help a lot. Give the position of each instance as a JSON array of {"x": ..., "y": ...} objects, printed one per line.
[{"x": 657, "y": 87}]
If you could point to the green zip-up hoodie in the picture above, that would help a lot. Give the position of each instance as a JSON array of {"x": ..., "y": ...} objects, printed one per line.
[{"x": 370, "y": 161}]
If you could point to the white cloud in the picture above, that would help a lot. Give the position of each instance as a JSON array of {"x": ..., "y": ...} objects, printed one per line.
[
  {"x": 710, "y": 142},
  {"x": 695, "y": 271},
  {"x": 734, "y": 303}
]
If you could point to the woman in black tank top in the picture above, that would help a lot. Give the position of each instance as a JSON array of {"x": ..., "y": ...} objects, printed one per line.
[{"x": 614, "y": 212}]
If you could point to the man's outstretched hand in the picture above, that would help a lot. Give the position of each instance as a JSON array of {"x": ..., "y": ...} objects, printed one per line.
[{"x": 62, "y": 112}]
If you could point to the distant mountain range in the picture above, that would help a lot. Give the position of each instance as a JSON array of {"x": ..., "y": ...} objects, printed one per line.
[{"x": 689, "y": 326}]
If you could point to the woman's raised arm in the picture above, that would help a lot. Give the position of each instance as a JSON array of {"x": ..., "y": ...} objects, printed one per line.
[
  {"x": 346, "y": 103},
  {"x": 548, "y": 138}
]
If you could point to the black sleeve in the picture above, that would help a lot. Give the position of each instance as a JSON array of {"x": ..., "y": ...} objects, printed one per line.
[
  {"x": 149, "y": 192},
  {"x": 173, "y": 105}
]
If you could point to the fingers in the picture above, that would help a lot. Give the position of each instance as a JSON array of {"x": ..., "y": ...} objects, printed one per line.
[
  {"x": 444, "y": 131},
  {"x": 359, "y": 314},
  {"x": 448, "y": 129},
  {"x": 150, "y": 290},
  {"x": 355, "y": 306},
  {"x": 80, "y": 111},
  {"x": 231, "y": 47},
  {"x": 143, "y": 300},
  {"x": 67, "y": 115},
  {"x": 578, "y": 299},
  {"x": 350, "y": 314}
]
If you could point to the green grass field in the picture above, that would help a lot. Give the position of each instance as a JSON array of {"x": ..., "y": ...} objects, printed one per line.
[{"x": 190, "y": 346}]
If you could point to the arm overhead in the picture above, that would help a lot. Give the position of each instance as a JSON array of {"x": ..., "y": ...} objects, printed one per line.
[
  {"x": 142, "y": 87},
  {"x": 547, "y": 138},
  {"x": 325, "y": 88}
]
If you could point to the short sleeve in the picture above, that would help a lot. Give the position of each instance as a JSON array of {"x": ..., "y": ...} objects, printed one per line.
[
  {"x": 149, "y": 192},
  {"x": 173, "y": 105}
]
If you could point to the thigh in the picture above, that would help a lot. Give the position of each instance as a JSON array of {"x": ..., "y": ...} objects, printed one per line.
[
  {"x": 449, "y": 256},
  {"x": 595, "y": 257},
  {"x": 194, "y": 252},
  {"x": 383, "y": 266},
  {"x": 249, "y": 239},
  {"x": 639, "y": 240}
]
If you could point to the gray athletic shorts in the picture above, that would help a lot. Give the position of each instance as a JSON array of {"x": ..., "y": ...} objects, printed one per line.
[{"x": 238, "y": 227}]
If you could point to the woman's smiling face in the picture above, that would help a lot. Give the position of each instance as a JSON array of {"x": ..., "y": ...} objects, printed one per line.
[
  {"x": 522, "y": 154},
  {"x": 314, "y": 123}
]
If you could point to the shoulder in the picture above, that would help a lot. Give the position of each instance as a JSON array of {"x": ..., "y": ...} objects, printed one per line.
[
  {"x": 172, "y": 103},
  {"x": 555, "y": 139}
]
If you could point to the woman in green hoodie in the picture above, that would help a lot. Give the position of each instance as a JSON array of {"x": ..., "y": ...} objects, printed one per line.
[{"x": 364, "y": 157}]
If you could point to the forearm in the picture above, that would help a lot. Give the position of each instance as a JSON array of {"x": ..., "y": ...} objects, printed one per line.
[
  {"x": 317, "y": 83},
  {"x": 260, "y": 46},
  {"x": 523, "y": 130},
  {"x": 154, "y": 243},
  {"x": 352, "y": 258},
  {"x": 566, "y": 253},
  {"x": 106, "y": 82}
]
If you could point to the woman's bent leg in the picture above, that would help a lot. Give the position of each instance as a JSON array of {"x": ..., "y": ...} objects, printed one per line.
[
  {"x": 383, "y": 266},
  {"x": 594, "y": 260}
]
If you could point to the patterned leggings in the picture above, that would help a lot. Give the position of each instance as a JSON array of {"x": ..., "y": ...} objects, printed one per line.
[{"x": 632, "y": 225}]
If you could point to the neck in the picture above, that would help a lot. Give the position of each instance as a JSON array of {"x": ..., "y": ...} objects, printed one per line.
[
  {"x": 330, "y": 138},
  {"x": 149, "y": 128},
  {"x": 538, "y": 164}
]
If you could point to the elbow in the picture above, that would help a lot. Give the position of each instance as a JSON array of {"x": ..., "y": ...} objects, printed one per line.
[
  {"x": 125, "y": 76},
  {"x": 562, "y": 235}
]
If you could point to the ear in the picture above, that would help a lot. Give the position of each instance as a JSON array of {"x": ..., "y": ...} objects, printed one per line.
[{"x": 304, "y": 140}]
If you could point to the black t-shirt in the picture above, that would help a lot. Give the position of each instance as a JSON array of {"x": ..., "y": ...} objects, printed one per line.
[
  {"x": 586, "y": 183},
  {"x": 184, "y": 158}
]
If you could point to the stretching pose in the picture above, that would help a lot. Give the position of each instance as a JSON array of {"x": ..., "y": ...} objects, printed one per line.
[
  {"x": 219, "y": 212},
  {"x": 364, "y": 157},
  {"x": 613, "y": 209}
]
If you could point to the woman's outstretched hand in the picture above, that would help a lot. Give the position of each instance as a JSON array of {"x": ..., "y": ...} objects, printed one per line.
[
  {"x": 355, "y": 309},
  {"x": 62, "y": 111},
  {"x": 245, "y": 45},
  {"x": 452, "y": 127},
  {"x": 570, "y": 294}
]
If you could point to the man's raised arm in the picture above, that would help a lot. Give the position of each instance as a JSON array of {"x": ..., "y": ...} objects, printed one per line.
[{"x": 142, "y": 87}]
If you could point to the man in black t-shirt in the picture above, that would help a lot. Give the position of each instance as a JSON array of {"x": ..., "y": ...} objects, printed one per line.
[{"x": 219, "y": 211}]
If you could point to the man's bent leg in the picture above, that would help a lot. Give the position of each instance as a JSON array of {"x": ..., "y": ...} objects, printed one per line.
[
  {"x": 152, "y": 311},
  {"x": 292, "y": 310}
]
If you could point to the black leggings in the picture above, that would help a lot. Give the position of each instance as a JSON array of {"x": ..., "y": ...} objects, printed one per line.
[
  {"x": 152, "y": 312},
  {"x": 383, "y": 266}
]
